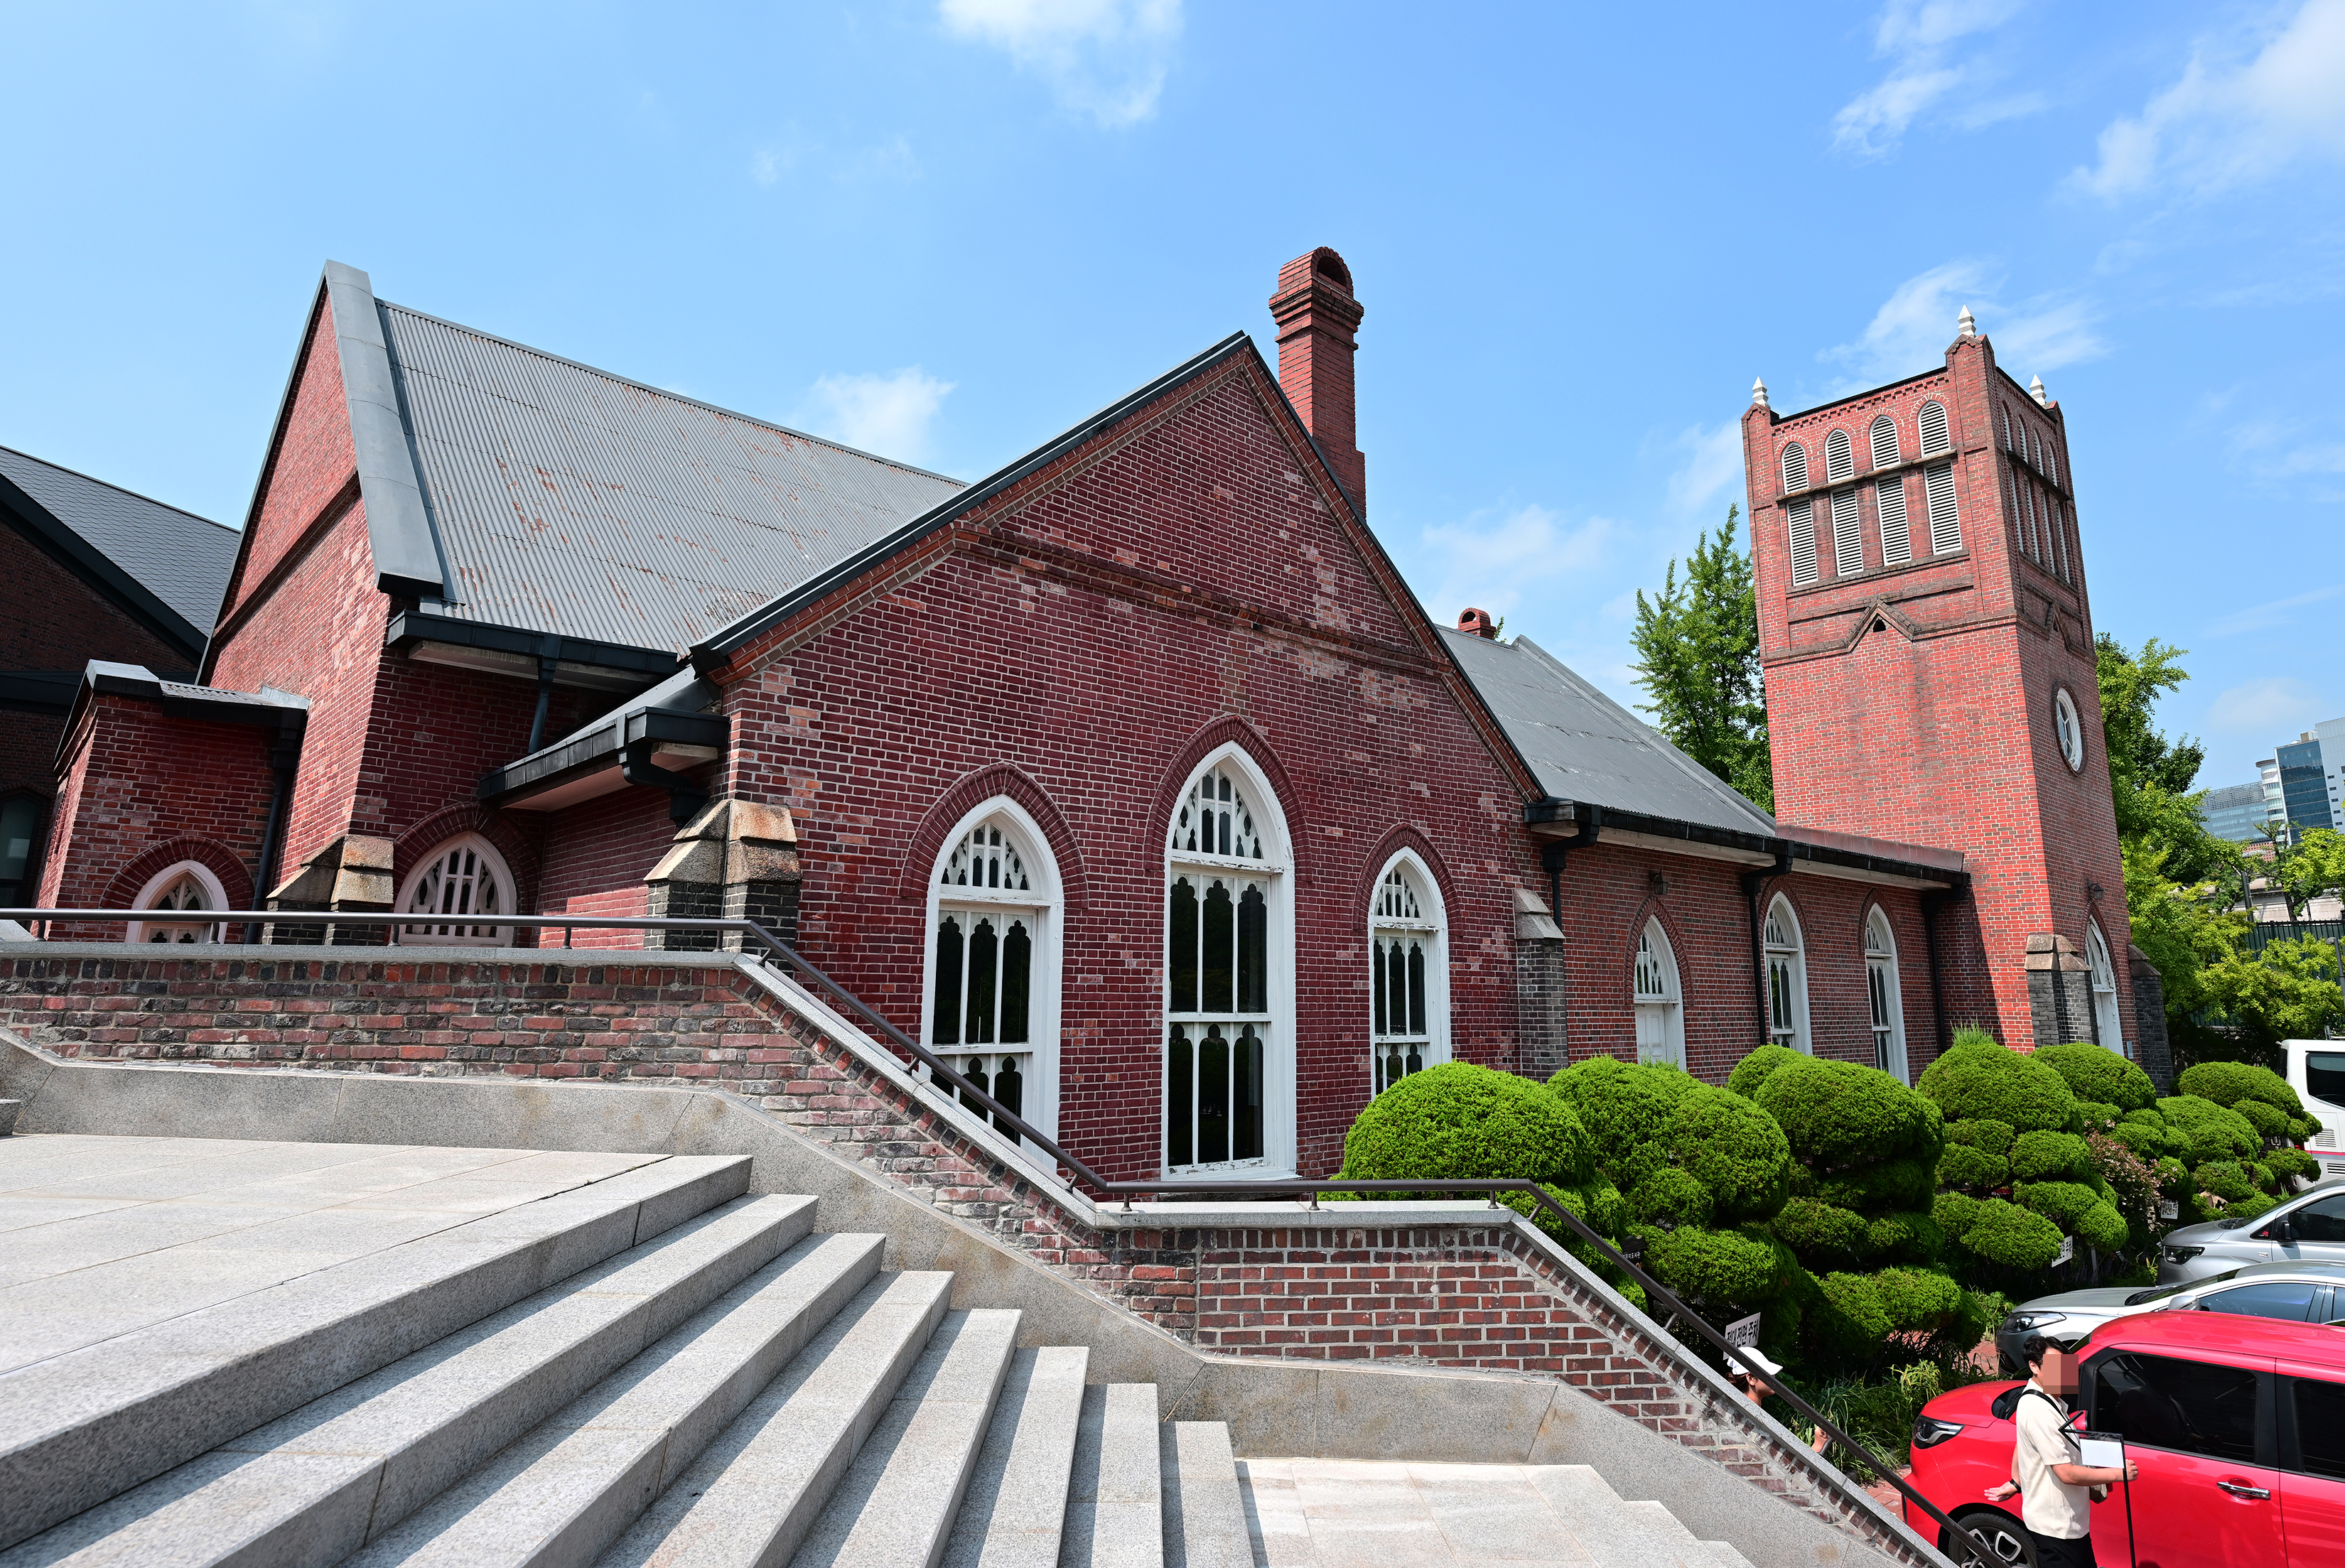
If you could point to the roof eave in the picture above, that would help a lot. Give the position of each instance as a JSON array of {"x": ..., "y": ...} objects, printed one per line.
[
  {"x": 1555, "y": 819},
  {"x": 58, "y": 539}
]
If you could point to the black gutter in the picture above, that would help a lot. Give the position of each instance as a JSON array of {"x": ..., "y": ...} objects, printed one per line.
[
  {"x": 411, "y": 626},
  {"x": 1930, "y": 904},
  {"x": 684, "y": 798},
  {"x": 549, "y": 659},
  {"x": 1753, "y": 883},
  {"x": 711, "y": 652},
  {"x": 1540, "y": 813}
]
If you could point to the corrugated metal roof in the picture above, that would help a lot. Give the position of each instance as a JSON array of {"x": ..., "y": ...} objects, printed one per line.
[
  {"x": 570, "y": 500},
  {"x": 179, "y": 558},
  {"x": 1584, "y": 746}
]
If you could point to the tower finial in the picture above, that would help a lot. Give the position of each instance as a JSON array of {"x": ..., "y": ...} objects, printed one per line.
[
  {"x": 1965, "y": 325},
  {"x": 2036, "y": 391},
  {"x": 1759, "y": 393}
]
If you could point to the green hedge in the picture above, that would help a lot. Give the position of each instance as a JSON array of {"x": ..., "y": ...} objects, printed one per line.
[
  {"x": 2095, "y": 1073},
  {"x": 1468, "y": 1121},
  {"x": 1979, "y": 1080},
  {"x": 2228, "y": 1083},
  {"x": 2050, "y": 1156},
  {"x": 2214, "y": 1131},
  {"x": 1839, "y": 1114}
]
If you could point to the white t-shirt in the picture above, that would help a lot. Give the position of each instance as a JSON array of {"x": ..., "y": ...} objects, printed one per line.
[{"x": 2048, "y": 1506}]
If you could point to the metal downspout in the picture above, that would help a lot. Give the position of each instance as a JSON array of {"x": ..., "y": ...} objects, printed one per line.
[
  {"x": 549, "y": 655},
  {"x": 1552, "y": 855},
  {"x": 1930, "y": 904}
]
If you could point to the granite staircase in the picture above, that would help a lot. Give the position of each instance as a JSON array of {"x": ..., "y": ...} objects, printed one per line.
[{"x": 383, "y": 1357}]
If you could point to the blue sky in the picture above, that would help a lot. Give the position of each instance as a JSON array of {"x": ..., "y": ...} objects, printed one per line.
[{"x": 948, "y": 231}]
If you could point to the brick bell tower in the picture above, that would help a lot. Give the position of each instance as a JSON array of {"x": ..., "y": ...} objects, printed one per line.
[{"x": 1927, "y": 640}]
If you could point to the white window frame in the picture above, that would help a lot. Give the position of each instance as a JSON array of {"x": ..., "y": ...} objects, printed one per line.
[
  {"x": 1431, "y": 923},
  {"x": 1276, "y": 871},
  {"x": 2108, "y": 1022},
  {"x": 1848, "y": 535},
  {"x": 1896, "y": 528},
  {"x": 2068, "y": 729},
  {"x": 1944, "y": 442},
  {"x": 1787, "y": 979},
  {"x": 1885, "y": 996},
  {"x": 408, "y": 932},
  {"x": 1043, "y": 902},
  {"x": 1659, "y": 1013},
  {"x": 1840, "y": 457},
  {"x": 162, "y": 882}
]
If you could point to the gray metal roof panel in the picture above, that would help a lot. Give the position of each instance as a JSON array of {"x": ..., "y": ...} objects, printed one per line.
[
  {"x": 1584, "y": 746},
  {"x": 181, "y": 559},
  {"x": 568, "y": 499}
]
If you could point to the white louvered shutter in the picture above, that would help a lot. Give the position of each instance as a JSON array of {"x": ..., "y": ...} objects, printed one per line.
[
  {"x": 2051, "y": 462},
  {"x": 2005, "y": 409},
  {"x": 1802, "y": 516},
  {"x": 1946, "y": 526},
  {"x": 2060, "y": 537},
  {"x": 2038, "y": 526},
  {"x": 1896, "y": 539},
  {"x": 2019, "y": 520},
  {"x": 1795, "y": 466},
  {"x": 1884, "y": 442},
  {"x": 1848, "y": 535},
  {"x": 1840, "y": 457},
  {"x": 1934, "y": 429}
]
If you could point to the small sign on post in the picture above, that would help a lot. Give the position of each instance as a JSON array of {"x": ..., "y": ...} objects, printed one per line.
[
  {"x": 2168, "y": 1208},
  {"x": 2067, "y": 1251},
  {"x": 1743, "y": 1332}
]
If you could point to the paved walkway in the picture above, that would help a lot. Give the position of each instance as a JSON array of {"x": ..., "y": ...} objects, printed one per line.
[{"x": 101, "y": 1236}]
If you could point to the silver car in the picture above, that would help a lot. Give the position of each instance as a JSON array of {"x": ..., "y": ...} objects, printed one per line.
[
  {"x": 2313, "y": 1292},
  {"x": 2307, "y": 1228}
]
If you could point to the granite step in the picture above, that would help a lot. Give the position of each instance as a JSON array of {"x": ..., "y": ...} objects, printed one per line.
[
  {"x": 1204, "y": 1509},
  {"x": 1014, "y": 1512},
  {"x": 1115, "y": 1502}
]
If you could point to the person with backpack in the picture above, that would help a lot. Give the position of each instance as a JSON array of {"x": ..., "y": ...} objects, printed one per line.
[{"x": 2055, "y": 1490}]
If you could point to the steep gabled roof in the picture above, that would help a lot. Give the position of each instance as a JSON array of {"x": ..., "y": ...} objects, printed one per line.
[
  {"x": 1585, "y": 747},
  {"x": 557, "y": 498},
  {"x": 165, "y": 566}
]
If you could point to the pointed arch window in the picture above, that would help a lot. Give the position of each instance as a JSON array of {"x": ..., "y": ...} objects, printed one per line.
[
  {"x": 1787, "y": 979},
  {"x": 1229, "y": 976},
  {"x": 1840, "y": 457},
  {"x": 992, "y": 990},
  {"x": 1408, "y": 974},
  {"x": 180, "y": 889},
  {"x": 1932, "y": 424},
  {"x": 1884, "y": 442},
  {"x": 1660, "y": 1006},
  {"x": 1795, "y": 466},
  {"x": 457, "y": 884},
  {"x": 1886, "y": 997},
  {"x": 2108, "y": 1024}
]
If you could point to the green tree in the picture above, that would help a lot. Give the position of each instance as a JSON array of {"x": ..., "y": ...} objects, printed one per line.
[
  {"x": 2150, "y": 775},
  {"x": 2289, "y": 992},
  {"x": 2303, "y": 871},
  {"x": 1697, "y": 651}
]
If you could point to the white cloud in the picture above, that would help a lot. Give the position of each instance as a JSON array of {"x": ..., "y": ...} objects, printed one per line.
[
  {"x": 1710, "y": 472},
  {"x": 884, "y": 414},
  {"x": 1914, "y": 35},
  {"x": 1914, "y": 324},
  {"x": 889, "y": 158},
  {"x": 2279, "y": 613},
  {"x": 1492, "y": 559},
  {"x": 2269, "y": 704},
  {"x": 2231, "y": 122},
  {"x": 1106, "y": 58}
]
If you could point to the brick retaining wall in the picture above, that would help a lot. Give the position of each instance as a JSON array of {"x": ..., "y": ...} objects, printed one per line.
[{"x": 1476, "y": 1296}]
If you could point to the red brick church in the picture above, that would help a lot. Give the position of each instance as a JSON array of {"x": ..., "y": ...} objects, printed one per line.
[{"x": 1132, "y": 776}]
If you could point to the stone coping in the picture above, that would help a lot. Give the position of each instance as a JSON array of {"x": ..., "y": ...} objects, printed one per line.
[{"x": 1290, "y": 1214}]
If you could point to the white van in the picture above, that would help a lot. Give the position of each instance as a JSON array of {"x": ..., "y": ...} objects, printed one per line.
[{"x": 2316, "y": 1071}]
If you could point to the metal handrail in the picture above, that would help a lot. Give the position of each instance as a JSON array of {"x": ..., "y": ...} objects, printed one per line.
[{"x": 1009, "y": 1120}]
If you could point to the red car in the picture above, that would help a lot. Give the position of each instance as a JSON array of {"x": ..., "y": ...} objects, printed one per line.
[{"x": 2238, "y": 1424}]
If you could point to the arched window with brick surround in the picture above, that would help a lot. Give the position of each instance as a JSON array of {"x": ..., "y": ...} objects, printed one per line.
[
  {"x": 446, "y": 896},
  {"x": 1229, "y": 974},
  {"x": 1787, "y": 979},
  {"x": 1884, "y": 995},
  {"x": 1408, "y": 974},
  {"x": 1661, "y": 1004},
  {"x": 187, "y": 886},
  {"x": 995, "y": 909}
]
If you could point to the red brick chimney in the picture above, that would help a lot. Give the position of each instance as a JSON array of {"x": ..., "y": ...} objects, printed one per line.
[
  {"x": 1478, "y": 623},
  {"x": 1316, "y": 317}
]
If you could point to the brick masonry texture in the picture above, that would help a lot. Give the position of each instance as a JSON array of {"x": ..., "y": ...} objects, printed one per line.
[
  {"x": 1450, "y": 1295},
  {"x": 1915, "y": 703}
]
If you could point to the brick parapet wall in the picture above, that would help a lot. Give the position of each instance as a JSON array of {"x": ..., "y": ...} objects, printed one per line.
[{"x": 1487, "y": 1297}]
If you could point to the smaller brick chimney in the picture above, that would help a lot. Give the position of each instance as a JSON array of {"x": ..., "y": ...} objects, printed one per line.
[
  {"x": 1478, "y": 623},
  {"x": 1316, "y": 317}
]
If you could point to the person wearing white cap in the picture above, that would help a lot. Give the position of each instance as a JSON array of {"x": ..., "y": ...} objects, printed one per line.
[{"x": 1760, "y": 1370}]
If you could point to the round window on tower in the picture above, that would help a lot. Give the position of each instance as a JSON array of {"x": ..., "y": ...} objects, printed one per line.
[{"x": 2069, "y": 728}]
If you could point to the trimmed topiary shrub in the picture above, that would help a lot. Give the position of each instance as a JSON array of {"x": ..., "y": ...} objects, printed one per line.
[
  {"x": 2008, "y": 1237},
  {"x": 2049, "y": 1157},
  {"x": 1846, "y": 1321},
  {"x": 1964, "y": 1166},
  {"x": 2103, "y": 1227},
  {"x": 2292, "y": 1162},
  {"x": 2226, "y": 1178},
  {"x": 2268, "y": 1120},
  {"x": 1993, "y": 1137},
  {"x": 2096, "y": 1073},
  {"x": 1468, "y": 1121},
  {"x": 1838, "y": 1114},
  {"x": 1821, "y": 1236},
  {"x": 1669, "y": 1197},
  {"x": 1908, "y": 1238},
  {"x": 2214, "y": 1131},
  {"x": 1917, "y": 1301},
  {"x": 1978, "y": 1080},
  {"x": 1624, "y": 1106},
  {"x": 2254, "y": 1206},
  {"x": 2228, "y": 1083},
  {"x": 1752, "y": 1071},
  {"x": 1744, "y": 1266},
  {"x": 2062, "y": 1202},
  {"x": 1733, "y": 1147}
]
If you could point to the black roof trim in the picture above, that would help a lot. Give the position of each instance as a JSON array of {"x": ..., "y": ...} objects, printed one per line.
[
  {"x": 411, "y": 626},
  {"x": 93, "y": 565},
  {"x": 597, "y": 750},
  {"x": 712, "y": 651},
  {"x": 406, "y": 547},
  {"x": 1551, "y": 810},
  {"x": 1859, "y": 396}
]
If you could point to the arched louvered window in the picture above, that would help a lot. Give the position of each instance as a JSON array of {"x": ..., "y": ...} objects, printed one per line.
[
  {"x": 1896, "y": 538},
  {"x": 1840, "y": 457},
  {"x": 1661, "y": 1006},
  {"x": 1884, "y": 442},
  {"x": 2037, "y": 527},
  {"x": 1933, "y": 424},
  {"x": 1408, "y": 991},
  {"x": 2005, "y": 409},
  {"x": 2019, "y": 530},
  {"x": 2060, "y": 537},
  {"x": 2108, "y": 1024},
  {"x": 1848, "y": 535},
  {"x": 2052, "y": 462},
  {"x": 1795, "y": 466},
  {"x": 1886, "y": 997},
  {"x": 1229, "y": 1078},
  {"x": 456, "y": 884},
  {"x": 1946, "y": 526},
  {"x": 993, "y": 947},
  {"x": 1800, "y": 520},
  {"x": 187, "y": 886},
  {"x": 1787, "y": 979}
]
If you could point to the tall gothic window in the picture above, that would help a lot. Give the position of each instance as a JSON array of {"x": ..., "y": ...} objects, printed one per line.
[
  {"x": 1409, "y": 1028},
  {"x": 992, "y": 988},
  {"x": 180, "y": 889},
  {"x": 1661, "y": 1006},
  {"x": 1887, "y": 1000},
  {"x": 457, "y": 884},
  {"x": 2108, "y": 1024},
  {"x": 1228, "y": 971},
  {"x": 1787, "y": 979}
]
